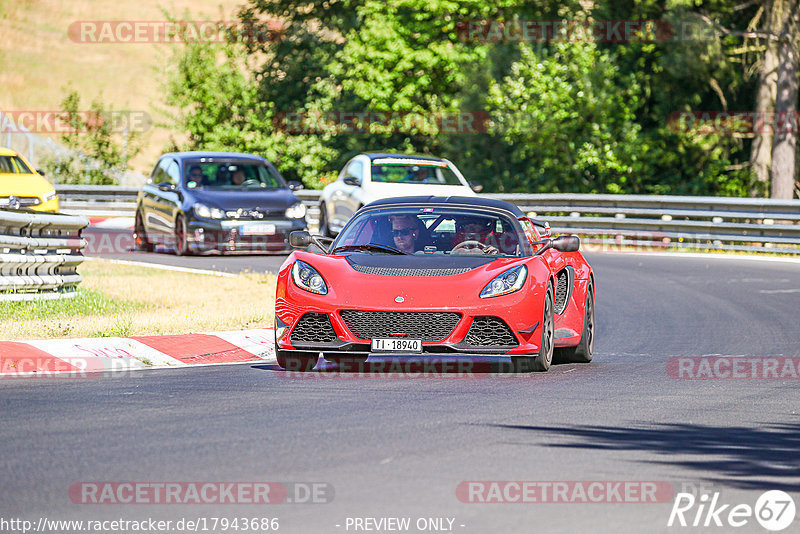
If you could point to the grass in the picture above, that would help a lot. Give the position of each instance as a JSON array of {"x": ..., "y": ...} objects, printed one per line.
[
  {"x": 125, "y": 300},
  {"x": 39, "y": 59}
]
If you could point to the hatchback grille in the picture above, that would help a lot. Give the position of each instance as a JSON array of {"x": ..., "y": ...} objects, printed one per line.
[
  {"x": 427, "y": 326},
  {"x": 23, "y": 201},
  {"x": 313, "y": 328},
  {"x": 490, "y": 332},
  {"x": 256, "y": 214}
]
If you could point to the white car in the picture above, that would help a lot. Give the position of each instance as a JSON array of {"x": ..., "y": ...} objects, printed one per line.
[{"x": 369, "y": 177}]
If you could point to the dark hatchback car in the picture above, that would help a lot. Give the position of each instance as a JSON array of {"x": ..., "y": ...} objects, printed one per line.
[{"x": 225, "y": 201}]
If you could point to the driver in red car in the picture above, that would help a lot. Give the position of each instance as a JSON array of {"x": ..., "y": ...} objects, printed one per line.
[{"x": 476, "y": 235}]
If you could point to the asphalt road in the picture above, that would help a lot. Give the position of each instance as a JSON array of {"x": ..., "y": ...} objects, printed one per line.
[{"x": 394, "y": 446}]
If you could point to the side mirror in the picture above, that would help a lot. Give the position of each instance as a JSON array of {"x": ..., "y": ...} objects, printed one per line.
[
  {"x": 300, "y": 238},
  {"x": 294, "y": 185},
  {"x": 476, "y": 187},
  {"x": 40, "y": 171},
  {"x": 567, "y": 243},
  {"x": 166, "y": 186},
  {"x": 352, "y": 180}
]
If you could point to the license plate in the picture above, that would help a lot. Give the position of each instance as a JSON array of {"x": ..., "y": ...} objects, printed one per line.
[
  {"x": 396, "y": 345},
  {"x": 258, "y": 229}
]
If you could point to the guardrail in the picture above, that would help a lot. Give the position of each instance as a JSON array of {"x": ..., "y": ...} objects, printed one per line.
[
  {"x": 39, "y": 255},
  {"x": 97, "y": 200},
  {"x": 720, "y": 223}
]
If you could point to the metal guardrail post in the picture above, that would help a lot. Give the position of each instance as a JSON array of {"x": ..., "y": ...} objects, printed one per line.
[{"x": 39, "y": 255}]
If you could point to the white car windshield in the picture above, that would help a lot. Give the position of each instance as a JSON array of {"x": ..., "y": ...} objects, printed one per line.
[
  {"x": 432, "y": 231},
  {"x": 413, "y": 172}
]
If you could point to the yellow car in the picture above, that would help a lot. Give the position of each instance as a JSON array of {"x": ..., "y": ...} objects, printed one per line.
[{"x": 23, "y": 187}]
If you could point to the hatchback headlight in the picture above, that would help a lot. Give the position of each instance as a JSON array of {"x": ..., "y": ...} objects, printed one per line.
[
  {"x": 306, "y": 277},
  {"x": 50, "y": 195},
  {"x": 208, "y": 213},
  {"x": 505, "y": 283},
  {"x": 296, "y": 211}
]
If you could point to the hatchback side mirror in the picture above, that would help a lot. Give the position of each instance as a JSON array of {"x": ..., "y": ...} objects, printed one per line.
[
  {"x": 352, "y": 180},
  {"x": 294, "y": 185}
]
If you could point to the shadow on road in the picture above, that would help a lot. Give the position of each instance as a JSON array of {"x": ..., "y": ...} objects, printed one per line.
[{"x": 762, "y": 458}]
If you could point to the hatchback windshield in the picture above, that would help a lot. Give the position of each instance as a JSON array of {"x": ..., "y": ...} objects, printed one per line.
[
  {"x": 406, "y": 171},
  {"x": 432, "y": 231},
  {"x": 231, "y": 175},
  {"x": 13, "y": 165}
]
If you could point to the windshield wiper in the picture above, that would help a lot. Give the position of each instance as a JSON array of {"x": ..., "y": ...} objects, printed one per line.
[{"x": 372, "y": 247}]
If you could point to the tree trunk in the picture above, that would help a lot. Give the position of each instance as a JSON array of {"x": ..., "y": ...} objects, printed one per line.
[
  {"x": 784, "y": 149},
  {"x": 761, "y": 149}
]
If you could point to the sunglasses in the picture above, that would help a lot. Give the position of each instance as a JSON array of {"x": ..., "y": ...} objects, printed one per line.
[{"x": 402, "y": 232}]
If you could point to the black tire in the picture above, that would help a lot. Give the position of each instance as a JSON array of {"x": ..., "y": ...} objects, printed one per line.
[
  {"x": 542, "y": 361},
  {"x": 140, "y": 240},
  {"x": 324, "y": 229},
  {"x": 584, "y": 351},
  {"x": 181, "y": 239}
]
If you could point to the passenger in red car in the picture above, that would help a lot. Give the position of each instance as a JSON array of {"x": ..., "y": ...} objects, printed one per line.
[{"x": 475, "y": 234}]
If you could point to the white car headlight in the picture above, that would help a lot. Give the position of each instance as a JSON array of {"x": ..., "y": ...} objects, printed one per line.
[
  {"x": 50, "y": 195},
  {"x": 296, "y": 211},
  {"x": 306, "y": 277},
  {"x": 505, "y": 283},
  {"x": 208, "y": 213}
]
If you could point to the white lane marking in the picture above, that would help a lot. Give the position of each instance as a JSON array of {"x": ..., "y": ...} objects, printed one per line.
[
  {"x": 164, "y": 267},
  {"x": 771, "y": 291}
]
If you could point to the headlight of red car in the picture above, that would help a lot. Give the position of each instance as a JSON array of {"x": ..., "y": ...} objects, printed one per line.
[
  {"x": 306, "y": 277},
  {"x": 505, "y": 283}
]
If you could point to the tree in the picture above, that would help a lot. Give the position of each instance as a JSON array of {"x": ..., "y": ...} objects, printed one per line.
[{"x": 95, "y": 154}]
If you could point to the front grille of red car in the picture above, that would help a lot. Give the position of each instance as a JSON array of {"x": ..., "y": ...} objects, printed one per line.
[
  {"x": 490, "y": 332},
  {"x": 428, "y": 326},
  {"x": 313, "y": 328}
]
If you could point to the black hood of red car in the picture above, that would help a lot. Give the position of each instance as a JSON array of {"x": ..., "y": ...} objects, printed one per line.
[{"x": 416, "y": 265}]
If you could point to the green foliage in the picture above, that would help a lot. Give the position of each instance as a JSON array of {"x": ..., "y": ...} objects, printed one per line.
[
  {"x": 565, "y": 116},
  {"x": 95, "y": 153}
]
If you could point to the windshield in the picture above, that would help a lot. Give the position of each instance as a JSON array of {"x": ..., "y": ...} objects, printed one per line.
[
  {"x": 13, "y": 165},
  {"x": 407, "y": 171},
  {"x": 231, "y": 175},
  {"x": 432, "y": 231}
]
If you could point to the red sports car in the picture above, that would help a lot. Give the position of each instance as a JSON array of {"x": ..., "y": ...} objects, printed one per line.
[{"x": 436, "y": 276}]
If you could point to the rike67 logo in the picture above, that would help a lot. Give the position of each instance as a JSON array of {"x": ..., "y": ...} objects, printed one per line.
[{"x": 774, "y": 510}]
